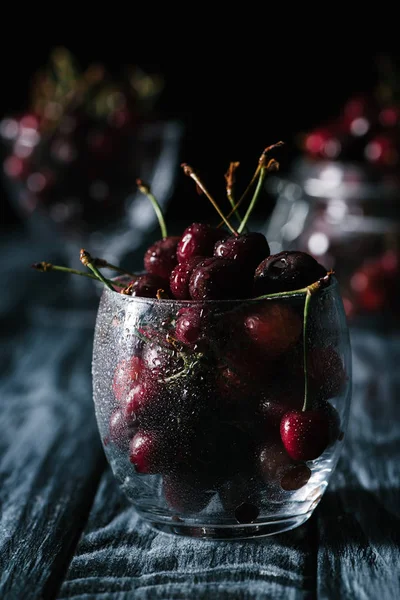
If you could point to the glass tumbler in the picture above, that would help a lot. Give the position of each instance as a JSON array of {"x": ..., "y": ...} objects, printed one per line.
[{"x": 192, "y": 398}]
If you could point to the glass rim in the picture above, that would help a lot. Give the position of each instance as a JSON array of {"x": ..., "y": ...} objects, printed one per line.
[{"x": 328, "y": 288}]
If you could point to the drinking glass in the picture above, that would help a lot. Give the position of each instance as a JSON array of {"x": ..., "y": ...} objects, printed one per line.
[{"x": 193, "y": 430}]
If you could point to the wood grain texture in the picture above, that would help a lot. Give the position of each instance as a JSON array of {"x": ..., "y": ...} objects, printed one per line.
[
  {"x": 50, "y": 456},
  {"x": 119, "y": 557},
  {"x": 359, "y": 517}
]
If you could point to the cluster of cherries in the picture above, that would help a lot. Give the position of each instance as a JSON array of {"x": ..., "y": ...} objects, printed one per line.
[
  {"x": 366, "y": 131},
  {"x": 213, "y": 397},
  {"x": 75, "y": 148}
]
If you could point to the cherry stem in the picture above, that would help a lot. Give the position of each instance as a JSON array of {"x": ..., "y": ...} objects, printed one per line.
[
  {"x": 43, "y": 267},
  {"x": 102, "y": 263},
  {"x": 272, "y": 165},
  {"x": 313, "y": 287},
  {"x": 305, "y": 347},
  {"x": 261, "y": 163},
  {"x": 230, "y": 184},
  {"x": 189, "y": 171},
  {"x": 87, "y": 260},
  {"x": 145, "y": 189}
]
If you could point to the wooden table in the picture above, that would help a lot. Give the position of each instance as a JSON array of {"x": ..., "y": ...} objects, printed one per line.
[{"x": 66, "y": 531}]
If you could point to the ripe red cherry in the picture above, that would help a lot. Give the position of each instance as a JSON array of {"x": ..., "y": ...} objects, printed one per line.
[
  {"x": 326, "y": 372},
  {"x": 286, "y": 271},
  {"x": 126, "y": 374},
  {"x": 273, "y": 460},
  {"x": 184, "y": 496},
  {"x": 147, "y": 286},
  {"x": 118, "y": 429},
  {"x": 160, "y": 258},
  {"x": 189, "y": 324},
  {"x": 198, "y": 240},
  {"x": 180, "y": 277},
  {"x": 272, "y": 328},
  {"x": 142, "y": 400},
  {"x": 306, "y": 434},
  {"x": 249, "y": 249},
  {"x": 148, "y": 453},
  {"x": 220, "y": 279}
]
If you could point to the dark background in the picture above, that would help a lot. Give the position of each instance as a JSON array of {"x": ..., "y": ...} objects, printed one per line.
[{"x": 232, "y": 103}]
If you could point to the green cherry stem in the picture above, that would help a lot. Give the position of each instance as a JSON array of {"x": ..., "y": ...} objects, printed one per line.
[
  {"x": 87, "y": 261},
  {"x": 43, "y": 267},
  {"x": 103, "y": 264},
  {"x": 272, "y": 165},
  {"x": 305, "y": 347},
  {"x": 190, "y": 173},
  {"x": 145, "y": 189}
]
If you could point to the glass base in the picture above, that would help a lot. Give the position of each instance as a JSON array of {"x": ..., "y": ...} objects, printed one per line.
[{"x": 232, "y": 531}]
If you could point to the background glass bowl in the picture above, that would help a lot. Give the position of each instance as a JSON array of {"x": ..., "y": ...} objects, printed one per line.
[
  {"x": 92, "y": 202},
  {"x": 348, "y": 217},
  {"x": 201, "y": 420}
]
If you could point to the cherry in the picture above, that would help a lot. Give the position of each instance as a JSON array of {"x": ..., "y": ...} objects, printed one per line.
[
  {"x": 306, "y": 434},
  {"x": 147, "y": 286},
  {"x": 326, "y": 371},
  {"x": 274, "y": 409},
  {"x": 286, "y": 271},
  {"x": 198, "y": 240},
  {"x": 272, "y": 328},
  {"x": 160, "y": 258},
  {"x": 246, "y": 513},
  {"x": 295, "y": 478},
  {"x": 244, "y": 487},
  {"x": 126, "y": 374},
  {"x": 148, "y": 453},
  {"x": 119, "y": 430},
  {"x": 219, "y": 279},
  {"x": 161, "y": 361},
  {"x": 180, "y": 277},
  {"x": 273, "y": 461},
  {"x": 189, "y": 324},
  {"x": 141, "y": 402},
  {"x": 249, "y": 249},
  {"x": 185, "y": 495}
]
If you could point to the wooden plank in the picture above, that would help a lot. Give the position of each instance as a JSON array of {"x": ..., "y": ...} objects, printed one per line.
[
  {"x": 359, "y": 518},
  {"x": 50, "y": 456}
]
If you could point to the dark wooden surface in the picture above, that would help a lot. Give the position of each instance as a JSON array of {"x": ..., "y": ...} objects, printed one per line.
[{"x": 66, "y": 531}]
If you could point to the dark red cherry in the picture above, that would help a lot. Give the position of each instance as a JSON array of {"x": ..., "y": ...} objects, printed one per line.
[
  {"x": 142, "y": 399},
  {"x": 148, "y": 453},
  {"x": 184, "y": 495},
  {"x": 161, "y": 361},
  {"x": 306, "y": 434},
  {"x": 295, "y": 478},
  {"x": 189, "y": 324},
  {"x": 147, "y": 286},
  {"x": 286, "y": 271},
  {"x": 248, "y": 249},
  {"x": 220, "y": 279},
  {"x": 272, "y": 328},
  {"x": 180, "y": 277},
  {"x": 118, "y": 429},
  {"x": 246, "y": 513},
  {"x": 326, "y": 372},
  {"x": 198, "y": 240},
  {"x": 273, "y": 461},
  {"x": 160, "y": 258},
  {"x": 126, "y": 375}
]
